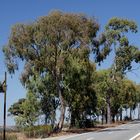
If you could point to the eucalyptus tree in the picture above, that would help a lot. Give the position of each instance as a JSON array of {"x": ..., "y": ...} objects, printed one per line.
[
  {"x": 130, "y": 95},
  {"x": 138, "y": 99},
  {"x": 116, "y": 35},
  {"x": 106, "y": 91},
  {"x": 81, "y": 97},
  {"x": 46, "y": 44}
]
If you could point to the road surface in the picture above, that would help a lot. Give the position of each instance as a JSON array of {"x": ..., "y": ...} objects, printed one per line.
[{"x": 123, "y": 132}]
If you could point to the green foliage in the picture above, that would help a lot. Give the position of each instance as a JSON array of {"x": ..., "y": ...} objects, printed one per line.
[
  {"x": 125, "y": 53},
  {"x": 58, "y": 72},
  {"x": 137, "y": 57},
  {"x": 129, "y": 94},
  {"x": 38, "y": 43},
  {"x": 15, "y": 109},
  {"x": 46, "y": 44},
  {"x": 121, "y": 25},
  {"x": 26, "y": 111},
  {"x": 80, "y": 95},
  {"x": 2, "y": 87},
  {"x": 138, "y": 93},
  {"x": 124, "y": 57},
  {"x": 122, "y": 93}
]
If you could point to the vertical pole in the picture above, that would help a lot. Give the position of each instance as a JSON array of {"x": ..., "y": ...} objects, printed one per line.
[{"x": 4, "y": 125}]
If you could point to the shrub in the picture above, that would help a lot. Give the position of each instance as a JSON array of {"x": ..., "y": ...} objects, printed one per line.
[
  {"x": 126, "y": 118},
  {"x": 38, "y": 131}
]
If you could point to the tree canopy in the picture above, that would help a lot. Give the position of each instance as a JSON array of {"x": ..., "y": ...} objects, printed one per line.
[{"x": 59, "y": 72}]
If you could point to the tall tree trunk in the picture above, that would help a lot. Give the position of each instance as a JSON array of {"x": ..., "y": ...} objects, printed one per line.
[
  {"x": 121, "y": 114},
  {"x": 102, "y": 119},
  {"x": 117, "y": 117},
  {"x": 46, "y": 118},
  {"x": 106, "y": 117},
  {"x": 72, "y": 123},
  {"x": 138, "y": 111},
  {"x": 130, "y": 113},
  {"x": 113, "y": 118},
  {"x": 62, "y": 109},
  {"x": 108, "y": 110},
  {"x": 126, "y": 112},
  {"x": 62, "y": 105}
]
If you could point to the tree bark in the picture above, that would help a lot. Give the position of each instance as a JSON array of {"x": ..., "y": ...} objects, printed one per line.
[
  {"x": 62, "y": 105},
  {"x": 108, "y": 110},
  {"x": 130, "y": 113},
  {"x": 117, "y": 117},
  {"x": 72, "y": 123},
  {"x": 103, "y": 117},
  {"x": 138, "y": 111},
  {"x": 62, "y": 109},
  {"x": 121, "y": 114},
  {"x": 113, "y": 118}
]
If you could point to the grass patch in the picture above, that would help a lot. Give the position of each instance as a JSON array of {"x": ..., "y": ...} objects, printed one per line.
[
  {"x": 41, "y": 131},
  {"x": 9, "y": 136}
]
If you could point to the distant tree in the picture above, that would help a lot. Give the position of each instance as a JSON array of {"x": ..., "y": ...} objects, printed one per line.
[
  {"x": 138, "y": 99},
  {"x": 15, "y": 109},
  {"x": 130, "y": 95},
  {"x": 26, "y": 111},
  {"x": 104, "y": 89},
  {"x": 125, "y": 53}
]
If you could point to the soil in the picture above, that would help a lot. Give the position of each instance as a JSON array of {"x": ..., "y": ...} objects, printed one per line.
[{"x": 79, "y": 131}]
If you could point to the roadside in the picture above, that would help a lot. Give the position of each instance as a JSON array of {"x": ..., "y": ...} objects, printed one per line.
[
  {"x": 72, "y": 132},
  {"x": 129, "y": 131}
]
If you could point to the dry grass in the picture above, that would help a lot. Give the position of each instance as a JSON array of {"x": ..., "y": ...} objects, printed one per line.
[{"x": 9, "y": 136}]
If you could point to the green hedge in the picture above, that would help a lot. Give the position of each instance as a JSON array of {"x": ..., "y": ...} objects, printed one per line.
[{"x": 41, "y": 131}]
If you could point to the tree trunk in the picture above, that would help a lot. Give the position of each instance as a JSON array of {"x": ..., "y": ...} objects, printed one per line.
[
  {"x": 126, "y": 112},
  {"x": 121, "y": 114},
  {"x": 113, "y": 118},
  {"x": 106, "y": 117},
  {"x": 138, "y": 111},
  {"x": 117, "y": 117},
  {"x": 62, "y": 113},
  {"x": 103, "y": 117},
  {"x": 72, "y": 123},
  {"x": 62, "y": 105},
  {"x": 108, "y": 110},
  {"x": 46, "y": 119},
  {"x": 130, "y": 113}
]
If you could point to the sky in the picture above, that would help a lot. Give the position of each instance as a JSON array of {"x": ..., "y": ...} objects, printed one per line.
[{"x": 25, "y": 11}]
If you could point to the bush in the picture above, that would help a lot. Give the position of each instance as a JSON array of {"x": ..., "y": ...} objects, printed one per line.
[
  {"x": 87, "y": 123},
  {"x": 126, "y": 118},
  {"x": 41, "y": 131},
  {"x": 9, "y": 136}
]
